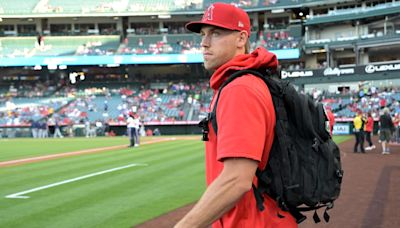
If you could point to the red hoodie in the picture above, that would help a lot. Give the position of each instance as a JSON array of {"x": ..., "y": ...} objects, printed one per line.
[
  {"x": 259, "y": 58},
  {"x": 246, "y": 122}
]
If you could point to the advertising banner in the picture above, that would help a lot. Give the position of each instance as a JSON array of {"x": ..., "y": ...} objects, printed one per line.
[
  {"x": 341, "y": 129},
  {"x": 344, "y": 71},
  {"x": 73, "y": 60}
]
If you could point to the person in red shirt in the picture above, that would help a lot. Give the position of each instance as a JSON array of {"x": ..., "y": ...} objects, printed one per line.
[
  {"x": 382, "y": 102},
  {"x": 368, "y": 129},
  {"x": 331, "y": 118},
  {"x": 396, "y": 122},
  {"x": 246, "y": 122}
]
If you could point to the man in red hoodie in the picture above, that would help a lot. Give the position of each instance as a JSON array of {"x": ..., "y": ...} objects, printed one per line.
[
  {"x": 246, "y": 121},
  {"x": 331, "y": 119}
]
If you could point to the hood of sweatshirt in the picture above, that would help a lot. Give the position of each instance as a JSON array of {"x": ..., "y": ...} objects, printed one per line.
[{"x": 258, "y": 59}]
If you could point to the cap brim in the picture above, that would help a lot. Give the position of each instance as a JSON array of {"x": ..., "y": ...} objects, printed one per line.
[{"x": 195, "y": 26}]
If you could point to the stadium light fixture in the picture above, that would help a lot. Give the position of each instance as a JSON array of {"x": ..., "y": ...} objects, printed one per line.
[
  {"x": 62, "y": 67},
  {"x": 164, "y": 16},
  {"x": 112, "y": 65},
  {"x": 277, "y": 11},
  {"x": 52, "y": 66},
  {"x": 318, "y": 51}
]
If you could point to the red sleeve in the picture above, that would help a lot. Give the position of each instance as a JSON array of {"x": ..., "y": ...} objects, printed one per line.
[{"x": 244, "y": 120}]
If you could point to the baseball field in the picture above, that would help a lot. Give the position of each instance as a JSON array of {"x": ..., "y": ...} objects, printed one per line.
[{"x": 98, "y": 182}]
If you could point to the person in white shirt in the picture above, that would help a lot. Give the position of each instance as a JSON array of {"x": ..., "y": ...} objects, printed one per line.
[
  {"x": 57, "y": 130},
  {"x": 136, "y": 122},
  {"x": 130, "y": 122}
]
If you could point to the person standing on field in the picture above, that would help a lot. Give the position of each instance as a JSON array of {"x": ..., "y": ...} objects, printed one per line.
[
  {"x": 331, "y": 119},
  {"x": 137, "y": 129},
  {"x": 368, "y": 130},
  {"x": 396, "y": 122},
  {"x": 359, "y": 122},
  {"x": 35, "y": 128},
  {"x": 246, "y": 122},
  {"x": 131, "y": 130},
  {"x": 57, "y": 130},
  {"x": 386, "y": 128}
]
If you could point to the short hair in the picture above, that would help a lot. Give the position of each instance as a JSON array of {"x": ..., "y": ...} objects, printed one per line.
[{"x": 386, "y": 110}]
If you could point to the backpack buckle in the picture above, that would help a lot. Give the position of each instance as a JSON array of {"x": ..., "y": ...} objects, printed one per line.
[
  {"x": 315, "y": 144},
  {"x": 281, "y": 203},
  {"x": 203, "y": 124}
]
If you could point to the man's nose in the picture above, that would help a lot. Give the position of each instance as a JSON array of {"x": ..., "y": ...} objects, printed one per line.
[{"x": 205, "y": 41}]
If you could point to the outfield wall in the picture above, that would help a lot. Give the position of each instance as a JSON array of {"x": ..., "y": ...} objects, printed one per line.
[
  {"x": 119, "y": 130},
  {"x": 343, "y": 126}
]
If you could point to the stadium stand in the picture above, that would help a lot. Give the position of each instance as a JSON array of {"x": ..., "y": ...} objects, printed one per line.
[
  {"x": 17, "y": 46},
  {"x": 23, "y": 7}
]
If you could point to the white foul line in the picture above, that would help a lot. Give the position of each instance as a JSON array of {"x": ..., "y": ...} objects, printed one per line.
[{"x": 20, "y": 195}]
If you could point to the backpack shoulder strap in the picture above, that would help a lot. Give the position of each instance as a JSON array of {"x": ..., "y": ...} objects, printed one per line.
[{"x": 213, "y": 114}]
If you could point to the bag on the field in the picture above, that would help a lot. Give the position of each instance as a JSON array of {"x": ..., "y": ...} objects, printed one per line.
[{"x": 304, "y": 170}]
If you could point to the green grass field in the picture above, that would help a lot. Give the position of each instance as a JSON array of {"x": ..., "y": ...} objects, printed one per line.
[{"x": 118, "y": 188}]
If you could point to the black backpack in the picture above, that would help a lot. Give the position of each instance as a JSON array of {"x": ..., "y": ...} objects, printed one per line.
[{"x": 304, "y": 171}]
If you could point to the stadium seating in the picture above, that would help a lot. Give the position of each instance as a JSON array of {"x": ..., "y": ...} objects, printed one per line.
[
  {"x": 81, "y": 45},
  {"x": 59, "y": 45},
  {"x": 94, "y": 6},
  {"x": 23, "y": 7},
  {"x": 153, "y": 106},
  {"x": 103, "y": 45},
  {"x": 27, "y": 109},
  {"x": 136, "y": 6},
  {"x": 352, "y": 14},
  {"x": 17, "y": 46}
]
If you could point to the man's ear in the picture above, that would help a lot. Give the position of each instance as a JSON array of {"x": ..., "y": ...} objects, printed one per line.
[{"x": 242, "y": 39}]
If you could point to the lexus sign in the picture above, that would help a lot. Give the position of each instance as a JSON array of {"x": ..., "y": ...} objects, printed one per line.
[
  {"x": 369, "y": 69},
  {"x": 295, "y": 74}
]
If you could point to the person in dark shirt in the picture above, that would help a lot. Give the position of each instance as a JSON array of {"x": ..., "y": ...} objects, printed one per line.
[
  {"x": 386, "y": 129},
  {"x": 34, "y": 128}
]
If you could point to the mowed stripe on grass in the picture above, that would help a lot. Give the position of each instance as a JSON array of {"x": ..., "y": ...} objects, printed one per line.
[
  {"x": 174, "y": 177},
  {"x": 20, "y": 148},
  {"x": 79, "y": 152}
]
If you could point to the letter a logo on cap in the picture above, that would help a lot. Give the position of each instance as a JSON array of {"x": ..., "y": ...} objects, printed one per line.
[{"x": 209, "y": 14}]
